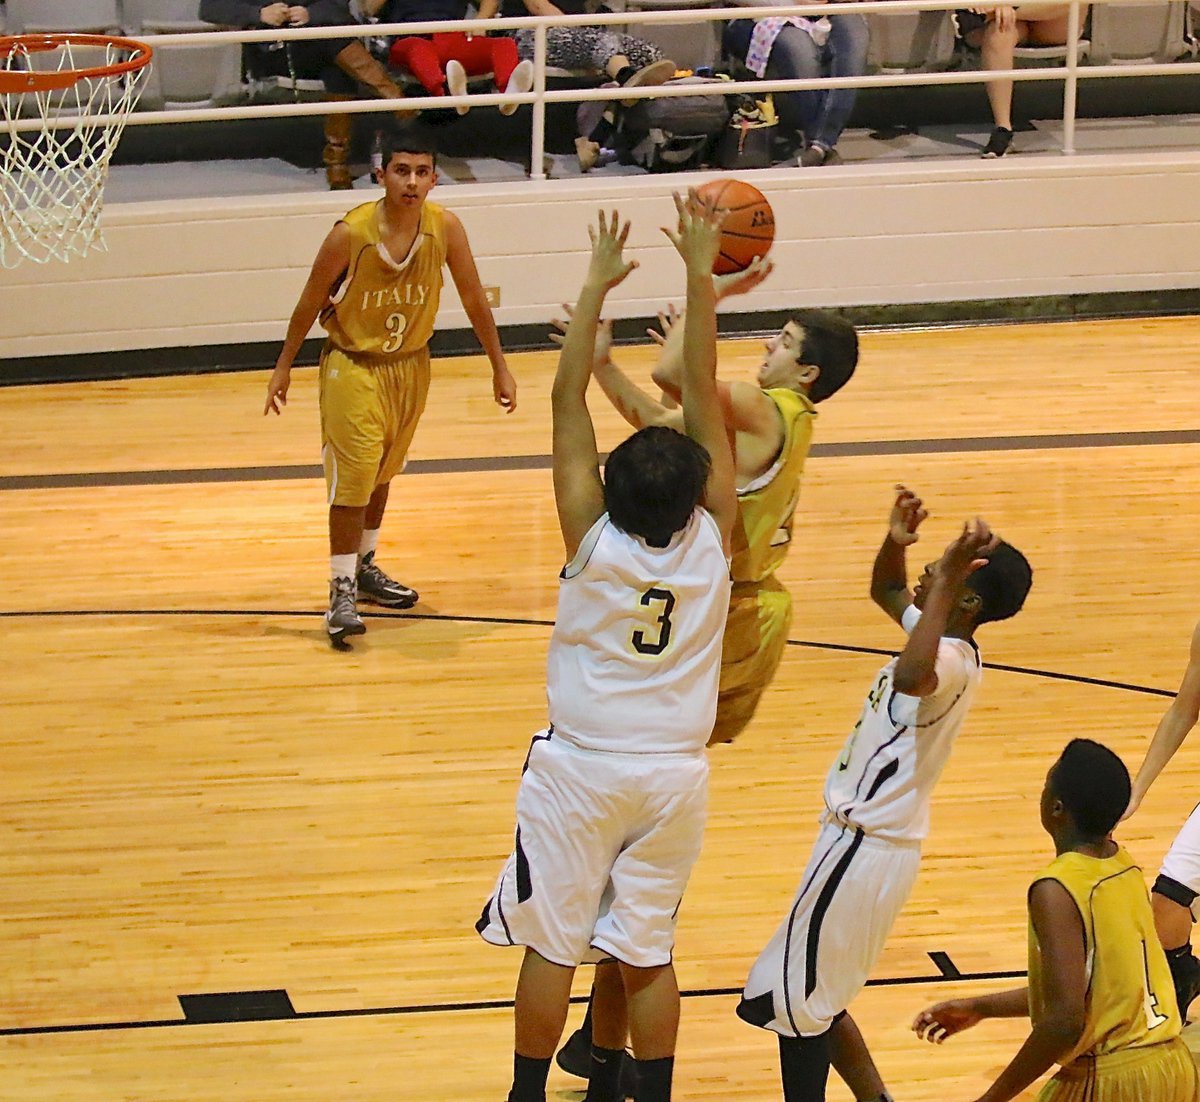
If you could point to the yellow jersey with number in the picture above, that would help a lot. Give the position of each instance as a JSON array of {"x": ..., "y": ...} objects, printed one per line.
[
  {"x": 1130, "y": 1000},
  {"x": 766, "y": 506},
  {"x": 385, "y": 307}
]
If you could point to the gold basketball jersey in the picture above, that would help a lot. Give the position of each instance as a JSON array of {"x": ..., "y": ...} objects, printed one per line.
[
  {"x": 765, "y": 507},
  {"x": 1130, "y": 1000},
  {"x": 385, "y": 309}
]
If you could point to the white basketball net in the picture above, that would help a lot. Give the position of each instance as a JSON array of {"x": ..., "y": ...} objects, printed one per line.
[{"x": 52, "y": 177}]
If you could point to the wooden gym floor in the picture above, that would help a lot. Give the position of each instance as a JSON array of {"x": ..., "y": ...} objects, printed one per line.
[{"x": 201, "y": 798}]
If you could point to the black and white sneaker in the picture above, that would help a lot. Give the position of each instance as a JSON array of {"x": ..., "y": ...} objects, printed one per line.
[
  {"x": 342, "y": 619},
  {"x": 375, "y": 586},
  {"x": 998, "y": 143},
  {"x": 1185, "y": 971},
  {"x": 575, "y": 1058}
]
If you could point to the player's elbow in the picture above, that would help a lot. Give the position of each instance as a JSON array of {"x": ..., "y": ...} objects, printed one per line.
[
  {"x": 1187, "y": 713},
  {"x": 665, "y": 380},
  {"x": 1062, "y": 1026},
  {"x": 914, "y": 682}
]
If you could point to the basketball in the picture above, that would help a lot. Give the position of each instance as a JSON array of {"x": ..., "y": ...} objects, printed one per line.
[{"x": 749, "y": 227}]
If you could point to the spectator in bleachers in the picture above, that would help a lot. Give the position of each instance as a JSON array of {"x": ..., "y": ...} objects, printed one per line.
[
  {"x": 442, "y": 62},
  {"x": 800, "y": 48},
  {"x": 996, "y": 32},
  {"x": 631, "y": 62},
  {"x": 341, "y": 64}
]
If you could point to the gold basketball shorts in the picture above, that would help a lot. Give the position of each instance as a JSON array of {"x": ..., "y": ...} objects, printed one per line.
[
  {"x": 755, "y": 637},
  {"x": 369, "y": 413},
  {"x": 1156, "y": 1073}
]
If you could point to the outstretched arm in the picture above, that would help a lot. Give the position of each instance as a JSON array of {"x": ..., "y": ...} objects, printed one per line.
[
  {"x": 916, "y": 668},
  {"x": 1059, "y": 930},
  {"x": 330, "y": 265},
  {"x": 629, "y": 399},
  {"x": 1173, "y": 728},
  {"x": 697, "y": 239},
  {"x": 668, "y": 372},
  {"x": 889, "y": 576},
  {"x": 461, "y": 263},
  {"x": 578, "y": 491}
]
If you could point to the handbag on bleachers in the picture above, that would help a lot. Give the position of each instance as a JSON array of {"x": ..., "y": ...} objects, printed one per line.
[
  {"x": 748, "y": 141},
  {"x": 670, "y": 133}
]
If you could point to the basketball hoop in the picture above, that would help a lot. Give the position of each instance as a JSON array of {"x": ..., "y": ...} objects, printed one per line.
[{"x": 64, "y": 100}]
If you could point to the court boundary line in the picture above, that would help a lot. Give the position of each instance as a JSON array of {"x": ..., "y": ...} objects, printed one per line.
[
  {"x": 846, "y": 449},
  {"x": 516, "y": 621},
  {"x": 458, "y": 1008}
]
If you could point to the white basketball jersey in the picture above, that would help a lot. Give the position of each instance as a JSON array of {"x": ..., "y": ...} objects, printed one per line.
[
  {"x": 884, "y": 778},
  {"x": 635, "y": 656}
]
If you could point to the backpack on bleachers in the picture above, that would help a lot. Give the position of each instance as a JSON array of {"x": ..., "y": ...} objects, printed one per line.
[{"x": 670, "y": 133}]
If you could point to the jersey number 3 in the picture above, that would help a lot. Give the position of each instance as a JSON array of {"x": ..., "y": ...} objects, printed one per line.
[
  {"x": 396, "y": 324},
  {"x": 656, "y": 646}
]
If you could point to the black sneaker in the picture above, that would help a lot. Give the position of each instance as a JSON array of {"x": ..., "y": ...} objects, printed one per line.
[
  {"x": 998, "y": 143},
  {"x": 575, "y": 1058},
  {"x": 375, "y": 586},
  {"x": 1185, "y": 971}
]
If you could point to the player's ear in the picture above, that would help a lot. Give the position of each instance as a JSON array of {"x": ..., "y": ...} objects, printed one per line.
[
  {"x": 807, "y": 374},
  {"x": 970, "y": 602}
]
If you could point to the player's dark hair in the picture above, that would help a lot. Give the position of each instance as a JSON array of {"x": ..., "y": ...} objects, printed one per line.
[
  {"x": 653, "y": 481},
  {"x": 830, "y": 343},
  {"x": 1002, "y": 584},
  {"x": 1093, "y": 786},
  {"x": 395, "y": 139}
]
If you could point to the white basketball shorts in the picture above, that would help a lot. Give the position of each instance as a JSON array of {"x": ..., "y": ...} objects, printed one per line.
[
  {"x": 824, "y": 950},
  {"x": 605, "y": 844}
]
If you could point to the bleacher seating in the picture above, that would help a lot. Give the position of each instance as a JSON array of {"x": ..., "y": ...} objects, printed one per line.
[
  {"x": 85, "y": 16},
  {"x": 1140, "y": 31},
  {"x": 690, "y": 45},
  {"x": 909, "y": 42}
]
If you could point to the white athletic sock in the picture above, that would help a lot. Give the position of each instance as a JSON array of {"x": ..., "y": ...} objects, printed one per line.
[
  {"x": 370, "y": 540},
  {"x": 343, "y": 566}
]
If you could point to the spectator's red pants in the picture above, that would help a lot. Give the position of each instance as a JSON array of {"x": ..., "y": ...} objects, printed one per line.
[{"x": 426, "y": 58}]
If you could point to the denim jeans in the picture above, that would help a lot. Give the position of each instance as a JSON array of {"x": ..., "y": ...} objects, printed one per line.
[{"x": 820, "y": 116}]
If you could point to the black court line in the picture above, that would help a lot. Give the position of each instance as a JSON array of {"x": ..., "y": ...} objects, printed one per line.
[
  {"x": 845, "y": 648},
  {"x": 542, "y": 462},
  {"x": 945, "y": 965},
  {"x": 446, "y": 1008}
]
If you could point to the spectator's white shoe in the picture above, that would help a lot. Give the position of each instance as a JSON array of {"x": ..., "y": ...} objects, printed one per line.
[
  {"x": 456, "y": 83},
  {"x": 657, "y": 72},
  {"x": 520, "y": 81}
]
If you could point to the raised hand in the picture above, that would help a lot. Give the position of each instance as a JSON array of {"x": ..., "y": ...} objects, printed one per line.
[
  {"x": 738, "y": 283},
  {"x": 943, "y": 1020},
  {"x": 667, "y": 320},
  {"x": 697, "y": 237},
  {"x": 967, "y": 553},
  {"x": 907, "y": 515},
  {"x": 608, "y": 267},
  {"x": 601, "y": 351}
]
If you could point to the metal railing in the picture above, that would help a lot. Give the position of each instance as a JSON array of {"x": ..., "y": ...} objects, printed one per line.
[{"x": 1069, "y": 74}]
